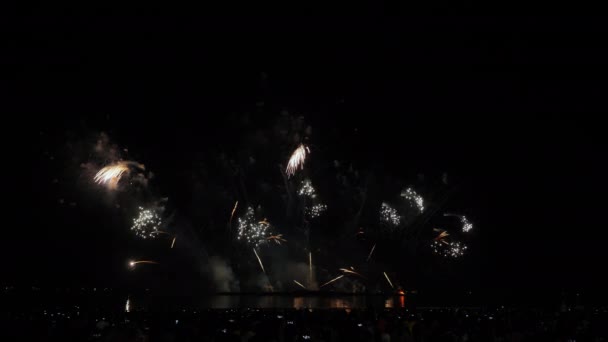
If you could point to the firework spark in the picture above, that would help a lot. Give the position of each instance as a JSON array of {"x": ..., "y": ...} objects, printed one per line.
[
  {"x": 146, "y": 224},
  {"x": 276, "y": 238},
  {"x": 316, "y": 210},
  {"x": 128, "y": 305},
  {"x": 173, "y": 242},
  {"x": 370, "y": 253},
  {"x": 412, "y": 196},
  {"x": 251, "y": 231},
  {"x": 449, "y": 250},
  {"x": 259, "y": 260},
  {"x": 389, "y": 215},
  {"x": 389, "y": 280},
  {"x": 306, "y": 189},
  {"x": 331, "y": 281},
  {"x": 297, "y": 282},
  {"x": 232, "y": 214},
  {"x": 297, "y": 159},
  {"x": 132, "y": 263},
  {"x": 110, "y": 175},
  {"x": 466, "y": 225}
]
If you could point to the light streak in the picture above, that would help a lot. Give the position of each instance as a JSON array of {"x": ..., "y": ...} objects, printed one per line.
[{"x": 388, "y": 279}]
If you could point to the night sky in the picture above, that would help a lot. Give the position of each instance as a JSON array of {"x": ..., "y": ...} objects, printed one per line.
[{"x": 505, "y": 106}]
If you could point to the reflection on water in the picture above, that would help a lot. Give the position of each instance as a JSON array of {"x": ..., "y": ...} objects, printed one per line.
[{"x": 300, "y": 302}]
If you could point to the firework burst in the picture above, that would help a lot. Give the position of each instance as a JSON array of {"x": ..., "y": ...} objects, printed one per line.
[
  {"x": 411, "y": 195},
  {"x": 466, "y": 225},
  {"x": 297, "y": 159},
  {"x": 110, "y": 175},
  {"x": 316, "y": 210},
  {"x": 147, "y": 224},
  {"x": 251, "y": 231},
  {"x": 449, "y": 249},
  {"x": 389, "y": 215},
  {"x": 306, "y": 189}
]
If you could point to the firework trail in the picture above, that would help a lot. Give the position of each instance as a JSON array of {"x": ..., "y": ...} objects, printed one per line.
[
  {"x": 442, "y": 236},
  {"x": 388, "y": 279},
  {"x": 173, "y": 242},
  {"x": 232, "y": 214},
  {"x": 297, "y": 159},
  {"x": 371, "y": 252},
  {"x": 297, "y": 282},
  {"x": 146, "y": 224},
  {"x": 389, "y": 215},
  {"x": 128, "y": 305},
  {"x": 466, "y": 225},
  {"x": 331, "y": 281},
  {"x": 276, "y": 238},
  {"x": 133, "y": 263},
  {"x": 346, "y": 270},
  {"x": 259, "y": 260},
  {"x": 310, "y": 266}
]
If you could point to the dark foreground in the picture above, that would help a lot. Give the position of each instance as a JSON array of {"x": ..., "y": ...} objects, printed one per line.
[{"x": 455, "y": 324}]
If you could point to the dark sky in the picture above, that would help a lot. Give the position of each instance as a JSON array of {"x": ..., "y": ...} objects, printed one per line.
[{"x": 510, "y": 107}]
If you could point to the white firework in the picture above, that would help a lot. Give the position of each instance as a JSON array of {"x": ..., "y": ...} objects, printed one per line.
[
  {"x": 412, "y": 196},
  {"x": 389, "y": 215},
  {"x": 252, "y": 231},
  {"x": 147, "y": 223},
  {"x": 297, "y": 159},
  {"x": 306, "y": 189},
  {"x": 466, "y": 224},
  {"x": 449, "y": 250},
  {"x": 316, "y": 210}
]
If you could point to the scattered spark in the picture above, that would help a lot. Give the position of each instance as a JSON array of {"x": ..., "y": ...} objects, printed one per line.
[
  {"x": 389, "y": 215},
  {"x": 449, "y": 249},
  {"x": 251, "y": 231},
  {"x": 146, "y": 224},
  {"x": 276, "y": 238},
  {"x": 173, "y": 242},
  {"x": 297, "y": 282},
  {"x": 389, "y": 280},
  {"x": 466, "y": 225},
  {"x": 259, "y": 260},
  {"x": 306, "y": 189},
  {"x": 110, "y": 175},
  {"x": 296, "y": 161},
  {"x": 412, "y": 196},
  {"x": 316, "y": 210},
  {"x": 331, "y": 281},
  {"x": 232, "y": 214},
  {"x": 370, "y": 253}
]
